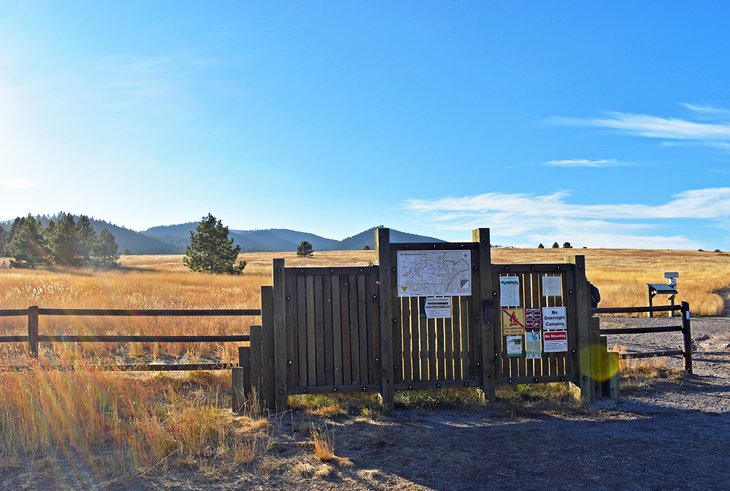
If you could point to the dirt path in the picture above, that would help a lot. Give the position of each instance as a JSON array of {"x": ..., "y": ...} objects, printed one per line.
[
  {"x": 673, "y": 435},
  {"x": 725, "y": 295}
]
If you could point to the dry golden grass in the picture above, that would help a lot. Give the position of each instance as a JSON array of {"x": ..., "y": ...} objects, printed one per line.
[{"x": 139, "y": 422}]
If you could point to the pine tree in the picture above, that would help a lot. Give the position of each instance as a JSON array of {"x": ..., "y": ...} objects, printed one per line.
[
  {"x": 3, "y": 241},
  {"x": 105, "y": 249},
  {"x": 211, "y": 250},
  {"x": 64, "y": 242},
  {"x": 305, "y": 249},
  {"x": 27, "y": 245},
  {"x": 540, "y": 246},
  {"x": 556, "y": 245},
  {"x": 86, "y": 237}
]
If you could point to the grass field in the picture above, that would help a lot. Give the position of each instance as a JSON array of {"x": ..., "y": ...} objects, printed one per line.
[{"x": 147, "y": 422}]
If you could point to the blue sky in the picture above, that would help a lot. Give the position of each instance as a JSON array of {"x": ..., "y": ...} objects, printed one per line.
[{"x": 603, "y": 124}]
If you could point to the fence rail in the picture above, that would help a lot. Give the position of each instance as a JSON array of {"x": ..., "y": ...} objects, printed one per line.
[
  {"x": 33, "y": 337},
  {"x": 685, "y": 328}
]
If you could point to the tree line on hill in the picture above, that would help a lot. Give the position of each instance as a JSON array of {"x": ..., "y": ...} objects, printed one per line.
[{"x": 64, "y": 242}]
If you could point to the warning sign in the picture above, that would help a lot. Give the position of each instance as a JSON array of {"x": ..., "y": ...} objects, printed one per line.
[
  {"x": 437, "y": 307},
  {"x": 514, "y": 346},
  {"x": 513, "y": 322},
  {"x": 532, "y": 345},
  {"x": 555, "y": 341},
  {"x": 533, "y": 319},
  {"x": 554, "y": 318}
]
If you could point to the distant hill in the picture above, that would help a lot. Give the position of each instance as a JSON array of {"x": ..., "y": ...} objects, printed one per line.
[
  {"x": 271, "y": 240},
  {"x": 128, "y": 240},
  {"x": 367, "y": 238}
]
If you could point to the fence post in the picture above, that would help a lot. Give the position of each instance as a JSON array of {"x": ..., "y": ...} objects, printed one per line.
[
  {"x": 382, "y": 244},
  {"x": 583, "y": 318},
  {"x": 268, "y": 387},
  {"x": 255, "y": 377},
  {"x": 280, "y": 336},
  {"x": 486, "y": 326},
  {"x": 33, "y": 330},
  {"x": 687, "y": 335}
]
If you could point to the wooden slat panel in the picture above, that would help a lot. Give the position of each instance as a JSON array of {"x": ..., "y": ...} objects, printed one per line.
[
  {"x": 255, "y": 361},
  {"x": 466, "y": 364},
  {"x": 336, "y": 330},
  {"x": 319, "y": 330},
  {"x": 415, "y": 341},
  {"x": 301, "y": 332},
  {"x": 406, "y": 328},
  {"x": 362, "y": 309},
  {"x": 311, "y": 333},
  {"x": 440, "y": 351},
  {"x": 291, "y": 329},
  {"x": 456, "y": 325},
  {"x": 267, "y": 347},
  {"x": 432, "y": 373},
  {"x": 354, "y": 330},
  {"x": 346, "y": 331},
  {"x": 374, "y": 327},
  {"x": 449, "y": 347},
  {"x": 423, "y": 346},
  {"x": 329, "y": 356}
]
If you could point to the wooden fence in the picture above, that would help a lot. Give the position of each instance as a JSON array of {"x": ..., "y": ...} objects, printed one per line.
[
  {"x": 33, "y": 337},
  {"x": 685, "y": 328},
  {"x": 334, "y": 330}
]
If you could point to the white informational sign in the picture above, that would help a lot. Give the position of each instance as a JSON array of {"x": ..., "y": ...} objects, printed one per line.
[
  {"x": 533, "y": 346},
  {"x": 555, "y": 341},
  {"x": 514, "y": 346},
  {"x": 554, "y": 318},
  {"x": 509, "y": 291},
  {"x": 672, "y": 277},
  {"x": 434, "y": 273},
  {"x": 552, "y": 286},
  {"x": 438, "y": 307}
]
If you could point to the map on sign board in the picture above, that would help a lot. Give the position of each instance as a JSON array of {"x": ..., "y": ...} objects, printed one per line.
[{"x": 434, "y": 273}]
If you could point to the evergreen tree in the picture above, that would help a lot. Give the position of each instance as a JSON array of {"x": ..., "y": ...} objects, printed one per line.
[
  {"x": 566, "y": 245},
  {"x": 27, "y": 245},
  {"x": 305, "y": 249},
  {"x": 556, "y": 245},
  {"x": 540, "y": 246},
  {"x": 64, "y": 241},
  {"x": 211, "y": 250},
  {"x": 105, "y": 249},
  {"x": 86, "y": 237},
  {"x": 3, "y": 241}
]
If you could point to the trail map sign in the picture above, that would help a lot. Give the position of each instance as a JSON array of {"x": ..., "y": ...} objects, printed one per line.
[{"x": 434, "y": 273}]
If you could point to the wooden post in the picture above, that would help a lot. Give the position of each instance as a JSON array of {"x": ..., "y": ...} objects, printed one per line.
[
  {"x": 583, "y": 315},
  {"x": 244, "y": 362},
  {"x": 687, "y": 337},
  {"x": 254, "y": 386},
  {"x": 385, "y": 292},
  {"x": 33, "y": 330},
  {"x": 279, "y": 301},
  {"x": 651, "y": 302},
  {"x": 237, "y": 396},
  {"x": 614, "y": 381},
  {"x": 485, "y": 325},
  {"x": 268, "y": 388}
]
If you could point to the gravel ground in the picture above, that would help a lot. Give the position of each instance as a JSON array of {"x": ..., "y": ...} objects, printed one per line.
[{"x": 672, "y": 435}]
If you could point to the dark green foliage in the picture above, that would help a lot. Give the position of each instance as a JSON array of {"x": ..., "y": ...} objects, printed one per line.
[
  {"x": 3, "y": 241},
  {"x": 540, "y": 246},
  {"x": 566, "y": 245},
  {"x": 366, "y": 248},
  {"x": 105, "y": 249},
  {"x": 211, "y": 250},
  {"x": 304, "y": 249},
  {"x": 63, "y": 239},
  {"x": 27, "y": 245},
  {"x": 556, "y": 245},
  {"x": 86, "y": 237}
]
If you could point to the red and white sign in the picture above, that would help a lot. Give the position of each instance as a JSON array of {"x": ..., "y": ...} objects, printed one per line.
[{"x": 555, "y": 341}]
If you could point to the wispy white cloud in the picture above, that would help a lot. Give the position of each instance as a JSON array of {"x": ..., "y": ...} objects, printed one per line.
[
  {"x": 537, "y": 217},
  {"x": 710, "y": 125},
  {"x": 17, "y": 183},
  {"x": 583, "y": 163}
]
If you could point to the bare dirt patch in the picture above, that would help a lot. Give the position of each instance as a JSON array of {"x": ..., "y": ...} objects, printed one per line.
[{"x": 673, "y": 434}]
